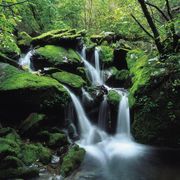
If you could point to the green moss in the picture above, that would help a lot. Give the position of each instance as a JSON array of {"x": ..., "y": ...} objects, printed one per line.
[
  {"x": 72, "y": 160},
  {"x": 107, "y": 54},
  {"x": 138, "y": 64},
  {"x": 24, "y": 39},
  {"x": 113, "y": 97},
  {"x": 8, "y": 148},
  {"x": 57, "y": 140},
  {"x": 53, "y": 140},
  {"x": 49, "y": 34},
  {"x": 12, "y": 78},
  {"x": 33, "y": 152},
  {"x": 58, "y": 55},
  {"x": 70, "y": 79}
]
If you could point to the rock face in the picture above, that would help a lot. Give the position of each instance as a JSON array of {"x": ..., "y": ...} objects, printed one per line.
[
  {"x": 22, "y": 93},
  {"x": 155, "y": 99}
]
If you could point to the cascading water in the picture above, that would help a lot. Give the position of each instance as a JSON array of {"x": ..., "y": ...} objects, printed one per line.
[
  {"x": 92, "y": 73},
  {"x": 123, "y": 120},
  {"x": 103, "y": 114},
  {"x": 97, "y": 62},
  {"x": 25, "y": 60},
  {"x": 89, "y": 133},
  {"x": 103, "y": 148}
]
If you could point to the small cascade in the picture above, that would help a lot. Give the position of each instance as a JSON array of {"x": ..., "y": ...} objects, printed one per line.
[
  {"x": 123, "y": 120},
  {"x": 97, "y": 62},
  {"x": 86, "y": 97},
  {"x": 83, "y": 53},
  {"x": 92, "y": 73},
  {"x": 103, "y": 114},
  {"x": 89, "y": 133},
  {"x": 25, "y": 61}
]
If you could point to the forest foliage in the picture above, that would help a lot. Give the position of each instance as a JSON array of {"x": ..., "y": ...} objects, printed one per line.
[{"x": 96, "y": 16}]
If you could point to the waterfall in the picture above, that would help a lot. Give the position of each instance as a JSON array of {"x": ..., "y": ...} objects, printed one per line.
[
  {"x": 123, "y": 120},
  {"x": 25, "y": 60},
  {"x": 103, "y": 114},
  {"x": 89, "y": 133},
  {"x": 97, "y": 62},
  {"x": 83, "y": 53},
  {"x": 86, "y": 97},
  {"x": 92, "y": 73}
]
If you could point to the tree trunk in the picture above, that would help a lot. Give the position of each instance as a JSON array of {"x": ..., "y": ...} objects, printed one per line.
[{"x": 152, "y": 26}]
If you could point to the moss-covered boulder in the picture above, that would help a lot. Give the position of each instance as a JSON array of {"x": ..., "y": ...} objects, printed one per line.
[
  {"x": 69, "y": 79},
  {"x": 22, "y": 93},
  {"x": 113, "y": 97},
  {"x": 56, "y": 56},
  {"x": 8, "y": 148},
  {"x": 61, "y": 37},
  {"x": 72, "y": 160},
  {"x": 35, "y": 152},
  {"x": 155, "y": 99},
  {"x": 53, "y": 139}
]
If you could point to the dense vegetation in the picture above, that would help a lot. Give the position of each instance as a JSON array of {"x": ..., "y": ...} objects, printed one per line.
[{"x": 139, "y": 47}]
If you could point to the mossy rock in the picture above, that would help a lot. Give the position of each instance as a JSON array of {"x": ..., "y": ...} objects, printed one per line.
[
  {"x": 113, "y": 97},
  {"x": 69, "y": 79},
  {"x": 56, "y": 56},
  {"x": 155, "y": 92},
  {"x": 9, "y": 148},
  {"x": 32, "y": 124},
  {"x": 32, "y": 93},
  {"x": 53, "y": 140},
  {"x": 72, "y": 160},
  {"x": 98, "y": 39},
  {"x": 106, "y": 55},
  {"x": 35, "y": 152},
  {"x": 22, "y": 172},
  {"x": 61, "y": 37}
]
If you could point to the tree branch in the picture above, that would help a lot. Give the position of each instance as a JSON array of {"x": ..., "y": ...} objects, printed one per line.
[
  {"x": 12, "y": 4},
  {"x": 160, "y": 11},
  {"x": 142, "y": 26},
  {"x": 168, "y": 9}
]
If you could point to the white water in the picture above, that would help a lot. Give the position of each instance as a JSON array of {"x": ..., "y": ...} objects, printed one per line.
[
  {"x": 25, "y": 60},
  {"x": 103, "y": 114},
  {"x": 101, "y": 147},
  {"x": 97, "y": 61},
  {"x": 86, "y": 96},
  {"x": 123, "y": 120},
  {"x": 92, "y": 73}
]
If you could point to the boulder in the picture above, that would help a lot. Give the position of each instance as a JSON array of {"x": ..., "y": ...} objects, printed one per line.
[
  {"x": 22, "y": 93},
  {"x": 69, "y": 79},
  {"x": 56, "y": 56},
  {"x": 155, "y": 100}
]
